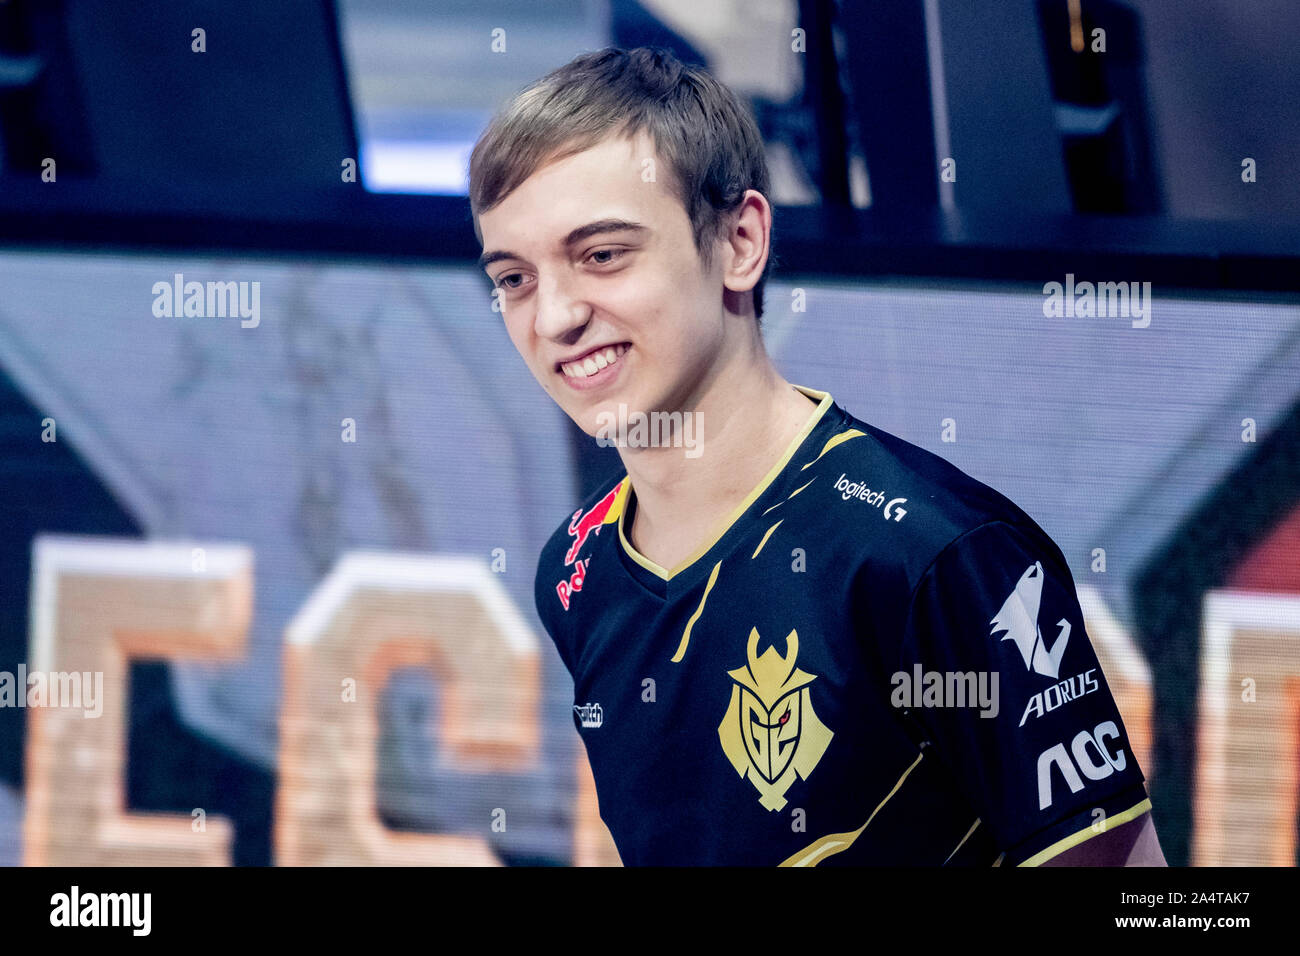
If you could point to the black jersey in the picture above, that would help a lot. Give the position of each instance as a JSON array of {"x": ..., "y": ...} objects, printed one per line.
[{"x": 879, "y": 661}]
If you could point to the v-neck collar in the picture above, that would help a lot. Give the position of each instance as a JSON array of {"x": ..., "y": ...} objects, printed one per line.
[{"x": 666, "y": 575}]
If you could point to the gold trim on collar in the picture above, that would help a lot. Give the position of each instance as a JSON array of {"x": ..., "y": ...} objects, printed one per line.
[{"x": 824, "y": 402}]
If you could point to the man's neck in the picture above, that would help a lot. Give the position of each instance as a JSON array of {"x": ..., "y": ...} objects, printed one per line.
[{"x": 747, "y": 421}]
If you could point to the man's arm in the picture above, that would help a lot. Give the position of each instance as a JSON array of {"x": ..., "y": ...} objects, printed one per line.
[
  {"x": 1053, "y": 755},
  {"x": 1130, "y": 844}
]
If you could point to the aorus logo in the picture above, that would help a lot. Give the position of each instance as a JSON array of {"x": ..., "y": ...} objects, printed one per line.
[{"x": 1018, "y": 616}]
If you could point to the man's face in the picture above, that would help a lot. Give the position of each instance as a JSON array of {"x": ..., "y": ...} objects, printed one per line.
[{"x": 596, "y": 264}]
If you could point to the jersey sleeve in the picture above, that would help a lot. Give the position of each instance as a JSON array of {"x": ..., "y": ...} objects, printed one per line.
[{"x": 1043, "y": 756}]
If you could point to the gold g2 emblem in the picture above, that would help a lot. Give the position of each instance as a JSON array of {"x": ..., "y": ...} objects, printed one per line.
[{"x": 770, "y": 731}]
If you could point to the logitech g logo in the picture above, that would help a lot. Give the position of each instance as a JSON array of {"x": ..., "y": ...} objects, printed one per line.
[{"x": 858, "y": 489}]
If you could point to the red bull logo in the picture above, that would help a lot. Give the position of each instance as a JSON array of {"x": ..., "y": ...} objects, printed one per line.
[
  {"x": 565, "y": 589},
  {"x": 582, "y": 527}
]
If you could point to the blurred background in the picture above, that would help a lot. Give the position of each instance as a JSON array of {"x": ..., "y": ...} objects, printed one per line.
[{"x": 298, "y": 542}]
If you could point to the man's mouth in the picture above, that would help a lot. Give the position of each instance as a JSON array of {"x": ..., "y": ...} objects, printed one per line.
[{"x": 594, "y": 362}]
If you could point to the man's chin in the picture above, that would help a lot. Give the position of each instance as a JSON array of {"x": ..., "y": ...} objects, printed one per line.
[
  {"x": 596, "y": 420},
  {"x": 605, "y": 420}
]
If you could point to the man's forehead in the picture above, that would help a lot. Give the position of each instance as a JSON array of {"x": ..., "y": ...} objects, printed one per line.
[
  {"x": 617, "y": 178},
  {"x": 612, "y": 164},
  {"x": 617, "y": 151}
]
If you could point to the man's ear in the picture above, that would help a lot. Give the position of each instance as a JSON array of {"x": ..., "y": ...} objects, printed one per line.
[{"x": 746, "y": 244}]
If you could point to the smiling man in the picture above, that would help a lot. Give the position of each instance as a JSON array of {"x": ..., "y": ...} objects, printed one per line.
[{"x": 776, "y": 642}]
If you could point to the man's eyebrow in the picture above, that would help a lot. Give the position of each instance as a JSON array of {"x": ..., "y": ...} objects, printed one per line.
[
  {"x": 597, "y": 228},
  {"x": 602, "y": 226}
]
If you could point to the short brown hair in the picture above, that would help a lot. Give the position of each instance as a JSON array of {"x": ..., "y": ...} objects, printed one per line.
[{"x": 709, "y": 140}]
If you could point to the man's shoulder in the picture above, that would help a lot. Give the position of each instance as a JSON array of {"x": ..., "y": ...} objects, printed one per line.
[{"x": 903, "y": 502}]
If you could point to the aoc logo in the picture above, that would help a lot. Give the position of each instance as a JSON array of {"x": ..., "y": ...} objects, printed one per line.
[
  {"x": 1091, "y": 755},
  {"x": 770, "y": 730},
  {"x": 1018, "y": 616}
]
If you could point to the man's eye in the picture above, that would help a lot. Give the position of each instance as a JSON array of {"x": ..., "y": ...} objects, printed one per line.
[
  {"x": 611, "y": 255},
  {"x": 509, "y": 280}
]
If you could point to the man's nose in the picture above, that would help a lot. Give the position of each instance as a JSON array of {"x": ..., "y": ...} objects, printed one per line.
[{"x": 559, "y": 308}]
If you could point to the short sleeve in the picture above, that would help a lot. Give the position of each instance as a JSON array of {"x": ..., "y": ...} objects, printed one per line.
[{"x": 1013, "y": 698}]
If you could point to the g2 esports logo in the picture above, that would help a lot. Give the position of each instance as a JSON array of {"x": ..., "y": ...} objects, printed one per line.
[
  {"x": 1018, "y": 616},
  {"x": 770, "y": 730}
]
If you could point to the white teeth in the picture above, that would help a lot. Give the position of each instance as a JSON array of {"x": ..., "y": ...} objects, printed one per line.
[{"x": 592, "y": 363}]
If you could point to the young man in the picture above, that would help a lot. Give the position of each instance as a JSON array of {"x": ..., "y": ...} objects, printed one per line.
[{"x": 750, "y": 623}]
